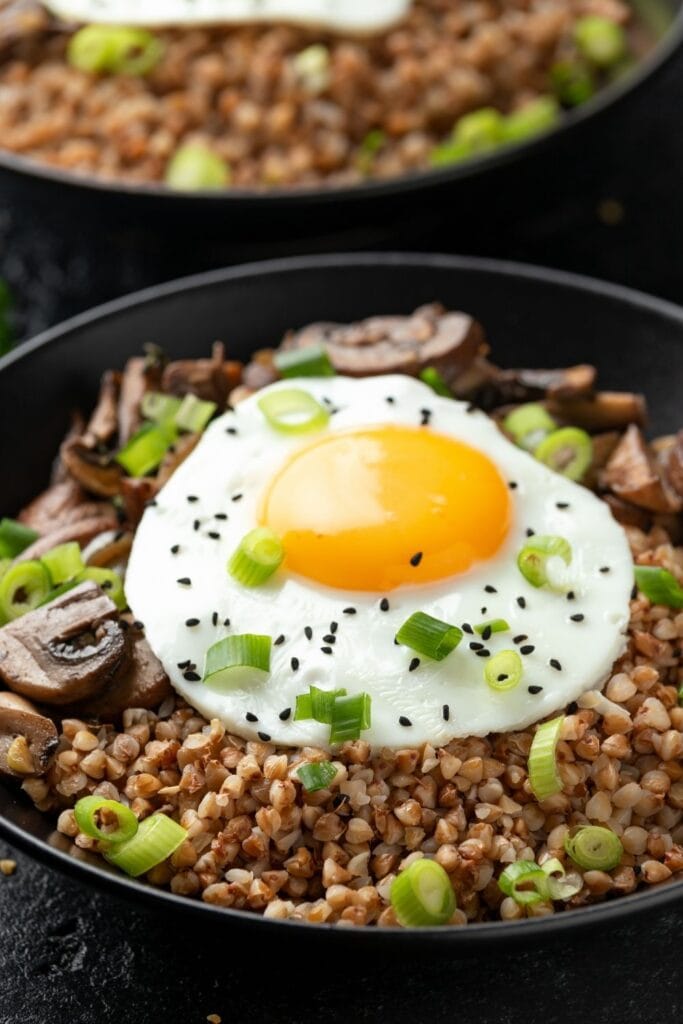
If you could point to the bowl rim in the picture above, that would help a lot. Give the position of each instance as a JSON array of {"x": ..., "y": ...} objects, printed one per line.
[
  {"x": 405, "y": 184},
  {"x": 490, "y": 932}
]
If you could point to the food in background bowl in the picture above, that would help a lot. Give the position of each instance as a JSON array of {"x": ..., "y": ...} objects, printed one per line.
[
  {"x": 351, "y": 674},
  {"x": 257, "y": 106}
]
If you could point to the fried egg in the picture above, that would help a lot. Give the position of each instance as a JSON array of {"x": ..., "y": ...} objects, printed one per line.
[
  {"x": 404, "y": 501},
  {"x": 338, "y": 15}
]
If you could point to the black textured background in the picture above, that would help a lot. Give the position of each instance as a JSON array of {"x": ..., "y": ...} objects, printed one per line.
[{"x": 73, "y": 955}]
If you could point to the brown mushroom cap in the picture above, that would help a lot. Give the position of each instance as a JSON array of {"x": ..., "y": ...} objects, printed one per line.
[
  {"x": 210, "y": 379},
  {"x": 27, "y": 738},
  {"x": 631, "y": 473},
  {"x": 64, "y": 651},
  {"x": 142, "y": 684},
  {"x": 97, "y": 474}
]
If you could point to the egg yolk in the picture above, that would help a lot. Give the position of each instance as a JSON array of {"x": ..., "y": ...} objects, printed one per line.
[{"x": 380, "y": 507}]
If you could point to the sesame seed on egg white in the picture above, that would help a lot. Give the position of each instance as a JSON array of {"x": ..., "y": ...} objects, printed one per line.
[{"x": 240, "y": 454}]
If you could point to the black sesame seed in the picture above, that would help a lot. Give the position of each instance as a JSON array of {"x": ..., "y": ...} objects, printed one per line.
[
  {"x": 483, "y": 610},
  {"x": 330, "y": 638},
  {"x": 562, "y": 504},
  {"x": 231, "y": 430},
  {"x": 527, "y": 649},
  {"x": 466, "y": 628},
  {"x": 334, "y": 626},
  {"x": 326, "y": 650},
  {"x": 184, "y": 664},
  {"x": 308, "y": 632},
  {"x": 226, "y": 622},
  {"x": 416, "y": 559},
  {"x": 350, "y": 611},
  {"x": 138, "y": 625},
  {"x": 634, "y": 592},
  {"x": 530, "y": 532},
  {"x": 213, "y": 535},
  {"x": 284, "y": 715},
  {"x": 191, "y": 622},
  {"x": 426, "y": 415},
  {"x": 106, "y": 585},
  {"x": 214, "y": 619},
  {"x": 521, "y": 602},
  {"x": 445, "y": 712},
  {"x": 404, "y": 721},
  {"x": 534, "y": 689},
  {"x": 502, "y": 677},
  {"x": 485, "y": 653},
  {"x": 152, "y": 503},
  {"x": 192, "y": 677},
  {"x": 251, "y": 717},
  {"x": 604, "y": 568},
  {"x": 384, "y": 604},
  {"x": 196, "y": 524},
  {"x": 554, "y": 663},
  {"x": 520, "y": 638},
  {"x": 192, "y": 498},
  {"x": 175, "y": 549},
  {"x": 279, "y": 640},
  {"x": 295, "y": 664},
  {"x": 476, "y": 646},
  {"x": 571, "y": 596},
  {"x": 413, "y": 664},
  {"x": 124, "y": 625},
  {"x": 390, "y": 399},
  {"x": 220, "y": 515},
  {"x": 184, "y": 581},
  {"x": 579, "y": 617},
  {"x": 572, "y": 708},
  {"x": 237, "y": 497},
  {"x": 486, "y": 633},
  {"x": 489, "y": 589},
  {"x": 512, "y": 484},
  {"x": 264, "y": 737}
]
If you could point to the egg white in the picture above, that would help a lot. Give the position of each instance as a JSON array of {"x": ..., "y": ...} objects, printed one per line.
[{"x": 228, "y": 473}]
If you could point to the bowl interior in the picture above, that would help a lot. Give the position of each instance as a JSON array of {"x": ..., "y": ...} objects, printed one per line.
[{"x": 532, "y": 318}]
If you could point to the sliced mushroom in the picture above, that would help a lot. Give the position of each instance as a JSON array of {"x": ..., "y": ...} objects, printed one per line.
[
  {"x": 136, "y": 492},
  {"x": 603, "y": 447},
  {"x": 210, "y": 379},
  {"x": 96, "y": 472},
  {"x": 516, "y": 386},
  {"x": 607, "y": 410},
  {"x": 56, "y": 505},
  {"x": 134, "y": 384},
  {"x": 103, "y": 423},
  {"x": 674, "y": 464},
  {"x": 632, "y": 475},
  {"x": 27, "y": 738},
  {"x": 398, "y": 344},
  {"x": 66, "y": 650},
  {"x": 82, "y": 531},
  {"x": 142, "y": 684},
  {"x": 627, "y": 514},
  {"x": 60, "y": 473}
]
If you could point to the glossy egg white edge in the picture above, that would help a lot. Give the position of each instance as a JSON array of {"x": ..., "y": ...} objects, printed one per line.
[
  {"x": 239, "y": 454},
  {"x": 338, "y": 15}
]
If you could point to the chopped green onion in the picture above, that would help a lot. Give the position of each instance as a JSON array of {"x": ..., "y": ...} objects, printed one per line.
[
  {"x": 23, "y": 588},
  {"x": 600, "y": 40},
  {"x": 450, "y": 152},
  {"x": 317, "y": 775},
  {"x": 146, "y": 449},
  {"x": 63, "y": 563},
  {"x": 292, "y": 411},
  {"x": 532, "y": 561},
  {"x": 528, "y": 425},
  {"x": 480, "y": 130},
  {"x": 159, "y": 407},
  {"x": 312, "y": 67},
  {"x": 429, "y": 636},
  {"x": 312, "y": 361},
  {"x": 565, "y": 886},
  {"x": 594, "y": 848},
  {"x": 422, "y": 895},
  {"x": 431, "y": 376},
  {"x": 237, "y": 661},
  {"x": 156, "y": 839},
  {"x": 114, "y": 49},
  {"x": 659, "y": 585},
  {"x": 258, "y": 556},
  {"x": 110, "y": 582},
  {"x": 195, "y": 167},
  {"x": 568, "y": 451},
  {"x": 194, "y": 414},
  {"x": 87, "y": 813},
  {"x": 503, "y": 671},
  {"x": 492, "y": 626},
  {"x": 543, "y": 774},
  {"x": 368, "y": 150},
  {"x": 15, "y": 538},
  {"x": 350, "y": 716},
  {"x": 573, "y": 82},
  {"x": 525, "y": 882},
  {"x": 534, "y": 118},
  {"x": 316, "y": 704}
]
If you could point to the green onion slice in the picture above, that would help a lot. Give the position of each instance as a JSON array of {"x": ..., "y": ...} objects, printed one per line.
[
  {"x": 480, "y": 130},
  {"x": 659, "y": 585},
  {"x": 194, "y": 414},
  {"x": 114, "y": 49},
  {"x": 258, "y": 556},
  {"x": 350, "y": 716},
  {"x": 561, "y": 886},
  {"x": 146, "y": 449},
  {"x": 110, "y": 582},
  {"x": 23, "y": 588},
  {"x": 159, "y": 407},
  {"x": 422, "y": 895},
  {"x": 568, "y": 451},
  {"x": 63, "y": 563},
  {"x": 15, "y": 538},
  {"x": 492, "y": 626},
  {"x": 593, "y": 847},
  {"x": 317, "y": 705},
  {"x": 312, "y": 361},
  {"x": 429, "y": 636},
  {"x": 292, "y": 411},
  {"x": 534, "y": 118},
  {"x": 194, "y": 167},
  {"x": 156, "y": 839},
  {"x": 528, "y": 425},
  {"x": 90, "y": 810},
  {"x": 503, "y": 671},
  {"x": 431, "y": 376},
  {"x": 543, "y": 774},
  {"x": 572, "y": 82},
  {"x": 532, "y": 561},
  {"x": 525, "y": 882},
  {"x": 316, "y": 776},
  {"x": 237, "y": 661},
  {"x": 600, "y": 40}
]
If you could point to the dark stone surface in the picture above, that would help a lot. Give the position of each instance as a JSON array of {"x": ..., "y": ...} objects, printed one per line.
[{"x": 72, "y": 955}]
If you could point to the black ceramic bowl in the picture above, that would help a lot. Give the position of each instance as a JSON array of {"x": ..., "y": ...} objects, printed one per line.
[{"x": 532, "y": 317}]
